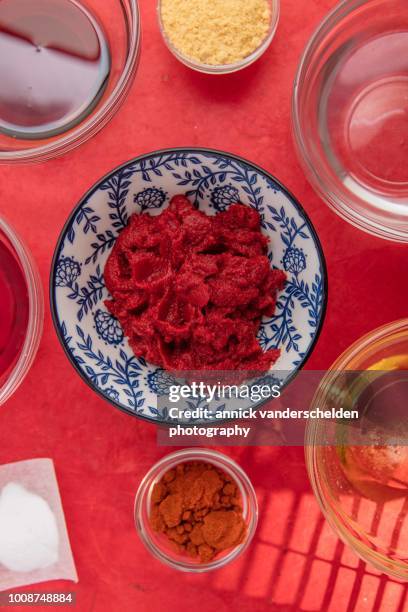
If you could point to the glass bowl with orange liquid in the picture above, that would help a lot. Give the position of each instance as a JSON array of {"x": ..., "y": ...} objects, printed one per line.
[
  {"x": 359, "y": 470},
  {"x": 67, "y": 66},
  {"x": 21, "y": 310}
]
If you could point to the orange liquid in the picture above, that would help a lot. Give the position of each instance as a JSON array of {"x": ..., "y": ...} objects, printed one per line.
[{"x": 380, "y": 470}]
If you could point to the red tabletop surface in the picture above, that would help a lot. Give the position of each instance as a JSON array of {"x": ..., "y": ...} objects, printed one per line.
[{"x": 100, "y": 454}]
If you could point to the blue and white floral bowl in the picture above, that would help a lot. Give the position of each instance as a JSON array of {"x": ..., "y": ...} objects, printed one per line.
[{"x": 93, "y": 340}]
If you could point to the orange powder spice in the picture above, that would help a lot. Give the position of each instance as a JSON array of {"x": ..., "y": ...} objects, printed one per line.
[
  {"x": 216, "y": 32},
  {"x": 199, "y": 508}
]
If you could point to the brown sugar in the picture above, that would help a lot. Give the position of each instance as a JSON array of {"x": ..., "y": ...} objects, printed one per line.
[
  {"x": 216, "y": 32},
  {"x": 199, "y": 508}
]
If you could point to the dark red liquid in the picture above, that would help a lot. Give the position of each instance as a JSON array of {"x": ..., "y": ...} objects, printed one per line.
[
  {"x": 54, "y": 66},
  {"x": 14, "y": 310}
]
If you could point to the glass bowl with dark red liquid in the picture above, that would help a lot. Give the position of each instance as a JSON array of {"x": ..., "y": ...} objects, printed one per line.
[
  {"x": 66, "y": 67},
  {"x": 21, "y": 311}
]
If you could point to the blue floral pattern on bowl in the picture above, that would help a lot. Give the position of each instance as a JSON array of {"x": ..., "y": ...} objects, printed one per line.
[
  {"x": 108, "y": 327},
  {"x": 67, "y": 272},
  {"x": 93, "y": 339},
  {"x": 150, "y": 198},
  {"x": 294, "y": 260},
  {"x": 224, "y": 196},
  {"x": 160, "y": 382}
]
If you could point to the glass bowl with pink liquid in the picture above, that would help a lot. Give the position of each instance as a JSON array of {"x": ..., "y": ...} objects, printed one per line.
[
  {"x": 66, "y": 67},
  {"x": 21, "y": 310}
]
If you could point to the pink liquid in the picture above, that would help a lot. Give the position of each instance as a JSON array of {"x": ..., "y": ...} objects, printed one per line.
[
  {"x": 54, "y": 66},
  {"x": 14, "y": 310}
]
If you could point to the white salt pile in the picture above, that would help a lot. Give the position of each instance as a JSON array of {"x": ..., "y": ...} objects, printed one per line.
[{"x": 29, "y": 537}]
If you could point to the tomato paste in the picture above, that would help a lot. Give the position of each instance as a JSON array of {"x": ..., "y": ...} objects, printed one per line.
[{"x": 190, "y": 289}]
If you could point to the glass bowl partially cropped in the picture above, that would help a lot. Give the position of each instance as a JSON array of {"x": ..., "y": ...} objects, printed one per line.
[
  {"x": 350, "y": 114},
  {"x": 158, "y": 544},
  {"x": 358, "y": 471},
  {"x": 67, "y": 73},
  {"x": 22, "y": 310},
  {"x": 223, "y": 68}
]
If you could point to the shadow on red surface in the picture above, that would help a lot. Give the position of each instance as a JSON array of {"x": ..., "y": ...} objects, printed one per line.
[{"x": 305, "y": 567}]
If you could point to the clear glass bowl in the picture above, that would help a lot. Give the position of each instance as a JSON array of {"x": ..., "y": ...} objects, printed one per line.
[
  {"x": 224, "y": 68},
  {"x": 350, "y": 114},
  {"x": 366, "y": 512},
  {"x": 158, "y": 545},
  {"x": 120, "y": 21},
  {"x": 35, "y": 314}
]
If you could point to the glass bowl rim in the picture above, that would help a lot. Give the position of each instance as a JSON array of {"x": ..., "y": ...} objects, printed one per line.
[
  {"x": 223, "y": 68},
  {"x": 90, "y": 126},
  {"x": 36, "y": 312},
  {"x": 181, "y": 456}
]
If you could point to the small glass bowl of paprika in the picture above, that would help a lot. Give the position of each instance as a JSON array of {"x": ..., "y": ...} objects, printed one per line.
[{"x": 242, "y": 519}]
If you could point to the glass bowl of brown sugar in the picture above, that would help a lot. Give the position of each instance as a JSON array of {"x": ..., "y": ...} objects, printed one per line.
[
  {"x": 218, "y": 36},
  {"x": 196, "y": 510}
]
